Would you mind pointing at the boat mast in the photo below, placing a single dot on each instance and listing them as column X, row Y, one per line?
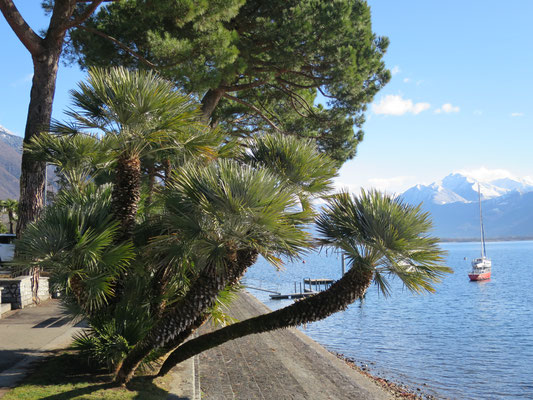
column 483, row 252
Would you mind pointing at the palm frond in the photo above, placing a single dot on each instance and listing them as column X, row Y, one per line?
column 226, row 206
column 75, row 241
column 136, row 107
column 387, row 232
column 297, row 161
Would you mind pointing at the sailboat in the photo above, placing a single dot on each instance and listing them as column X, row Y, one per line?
column 481, row 267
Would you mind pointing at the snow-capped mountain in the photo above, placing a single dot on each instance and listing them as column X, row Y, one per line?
column 11, row 139
column 434, row 193
column 457, row 187
column 453, row 205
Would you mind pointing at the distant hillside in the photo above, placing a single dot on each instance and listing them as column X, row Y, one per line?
column 10, row 158
column 453, row 204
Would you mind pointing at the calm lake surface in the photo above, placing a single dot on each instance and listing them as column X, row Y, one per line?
column 469, row 340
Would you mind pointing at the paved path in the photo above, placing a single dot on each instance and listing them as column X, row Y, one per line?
column 30, row 334
column 27, row 336
column 284, row 364
column 278, row 365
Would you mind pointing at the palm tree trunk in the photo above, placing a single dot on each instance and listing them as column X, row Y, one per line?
column 127, row 192
column 11, row 218
column 342, row 293
column 186, row 313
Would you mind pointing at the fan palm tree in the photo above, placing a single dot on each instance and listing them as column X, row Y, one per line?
column 136, row 112
column 10, row 206
column 380, row 236
column 75, row 241
column 218, row 218
column 79, row 159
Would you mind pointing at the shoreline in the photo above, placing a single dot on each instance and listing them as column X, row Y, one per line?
column 280, row 364
column 399, row 390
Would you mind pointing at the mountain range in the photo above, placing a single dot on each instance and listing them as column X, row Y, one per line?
column 507, row 206
column 10, row 158
column 453, row 202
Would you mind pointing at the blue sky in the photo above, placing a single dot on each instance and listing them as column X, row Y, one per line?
column 459, row 100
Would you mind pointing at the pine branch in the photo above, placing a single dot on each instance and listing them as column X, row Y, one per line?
column 119, row 44
column 30, row 40
column 244, row 103
column 86, row 14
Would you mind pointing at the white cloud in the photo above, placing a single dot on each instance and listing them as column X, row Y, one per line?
column 397, row 184
column 390, row 184
column 395, row 70
column 484, row 174
column 406, row 80
column 517, row 114
column 349, row 187
column 396, row 105
column 478, row 112
column 447, row 108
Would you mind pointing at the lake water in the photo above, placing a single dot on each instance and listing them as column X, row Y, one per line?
column 469, row 340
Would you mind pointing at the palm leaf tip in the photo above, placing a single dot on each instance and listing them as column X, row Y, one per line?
column 387, row 233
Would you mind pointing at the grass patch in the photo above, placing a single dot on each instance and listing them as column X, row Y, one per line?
column 66, row 376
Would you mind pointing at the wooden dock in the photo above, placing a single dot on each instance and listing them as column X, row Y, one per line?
column 305, row 291
column 292, row 295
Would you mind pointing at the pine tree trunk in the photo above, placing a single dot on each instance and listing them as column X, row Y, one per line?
column 209, row 103
column 186, row 313
column 342, row 293
column 45, row 53
column 126, row 193
column 32, row 178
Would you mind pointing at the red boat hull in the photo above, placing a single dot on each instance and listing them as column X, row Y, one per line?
column 479, row 277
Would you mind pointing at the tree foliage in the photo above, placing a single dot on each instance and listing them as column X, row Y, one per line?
column 146, row 292
column 255, row 65
column 10, row 207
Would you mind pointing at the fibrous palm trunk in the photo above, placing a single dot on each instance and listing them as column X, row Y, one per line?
column 11, row 217
column 342, row 293
column 127, row 192
column 187, row 312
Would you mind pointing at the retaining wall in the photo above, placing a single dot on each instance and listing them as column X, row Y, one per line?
column 17, row 291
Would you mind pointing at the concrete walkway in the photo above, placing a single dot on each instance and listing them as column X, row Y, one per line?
column 28, row 335
column 284, row 364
